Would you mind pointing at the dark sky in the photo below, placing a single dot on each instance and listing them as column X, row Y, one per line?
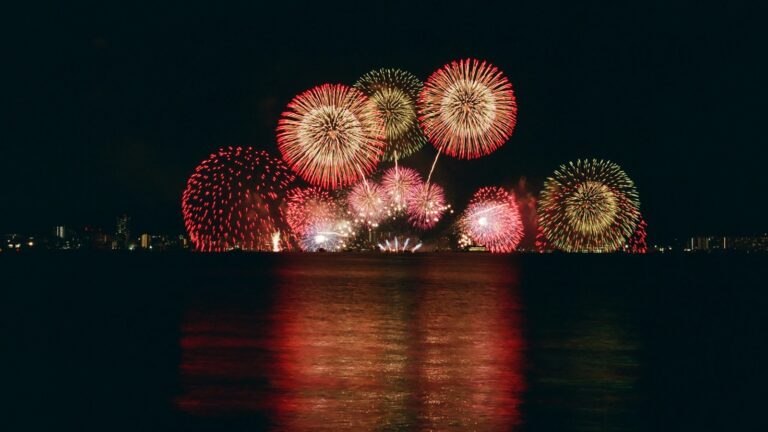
column 108, row 108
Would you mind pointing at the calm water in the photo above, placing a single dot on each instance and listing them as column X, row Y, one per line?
column 370, row 342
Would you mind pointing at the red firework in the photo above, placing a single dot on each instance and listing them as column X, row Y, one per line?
column 368, row 203
column 637, row 241
column 492, row 219
column 307, row 207
column 541, row 244
column 233, row 200
column 426, row 205
column 331, row 135
column 467, row 109
column 397, row 183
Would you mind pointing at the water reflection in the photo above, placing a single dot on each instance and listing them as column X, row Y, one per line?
column 413, row 345
column 470, row 348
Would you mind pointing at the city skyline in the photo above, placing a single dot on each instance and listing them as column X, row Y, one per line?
column 124, row 236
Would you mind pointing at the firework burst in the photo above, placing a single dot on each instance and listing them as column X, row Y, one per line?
column 426, row 205
column 367, row 203
column 397, row 184
column 395, row 93
column 637, row 241
column 492, row 219
column 309, row 206
column 233, row 200
column 588, row 206
column 331, row 135
column 331, row 236
column 398, row 245
column 467, row 109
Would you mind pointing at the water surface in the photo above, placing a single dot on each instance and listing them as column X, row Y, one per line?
column 370, row 342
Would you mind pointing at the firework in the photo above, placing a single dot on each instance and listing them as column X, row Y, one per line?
column 331, row 135
column 367, row 203
column 397, row 183
column 541, row 244
column 588, row 206
column 398, row 245
column 637, row 241
column 426, row 205
column 395, row 93
column 328, row 235
column 467, row 109
column 233, row 200
column 492, row 219
column 308, row 206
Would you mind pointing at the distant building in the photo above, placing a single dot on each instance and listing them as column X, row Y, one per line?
column 699, row 244
column 60, row 232
column 748, row 243
column 145, row 241
column 728, row 243
column 122, row 233
column 95, row 239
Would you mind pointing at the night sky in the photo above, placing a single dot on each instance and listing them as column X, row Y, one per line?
column 107, row 109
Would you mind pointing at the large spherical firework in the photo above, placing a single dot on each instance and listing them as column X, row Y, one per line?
column 367, row 203
column 426, row 205
column 492, row 219
column 397, row 183
column 467, row 109
column 395, row 93
column 331, row 135
column 330, row 235
column 588, row 206
column 233, row 200
column 308, row 206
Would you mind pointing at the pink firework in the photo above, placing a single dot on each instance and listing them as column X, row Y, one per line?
column 426, row 205
column 234, row 200
column 492, row 219
column 308, row 207
column 367, row 203
column 331, row 135
column 397, row 183
column 467, row 109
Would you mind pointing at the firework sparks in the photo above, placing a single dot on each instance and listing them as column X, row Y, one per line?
column 588, row 206
column 492, row 219
column 395, row 93
column 308, row 206
column 467, row 109
column 637, row 241
column 368, row 203
column 331, row 135
column 233, row 200
column 426, row 205
column 397, row 184
column 331, row 236
column 399, row 246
